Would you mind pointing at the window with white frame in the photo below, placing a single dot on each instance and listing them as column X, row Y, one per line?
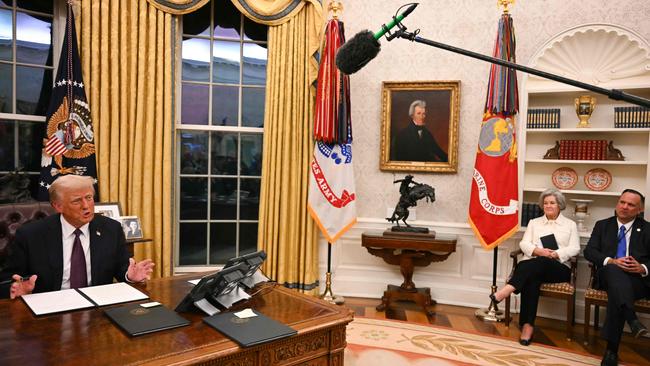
column 219, row 134
column 26, row 69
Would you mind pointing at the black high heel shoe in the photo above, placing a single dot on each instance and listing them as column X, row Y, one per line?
column 494, row 299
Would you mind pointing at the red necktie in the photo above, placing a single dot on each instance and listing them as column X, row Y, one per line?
column 78, row 276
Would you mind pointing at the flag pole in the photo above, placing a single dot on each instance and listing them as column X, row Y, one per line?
column 328, row 295
column 492, row 313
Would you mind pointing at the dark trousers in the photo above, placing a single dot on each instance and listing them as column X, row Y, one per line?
column 622, row 290
column 527, row 279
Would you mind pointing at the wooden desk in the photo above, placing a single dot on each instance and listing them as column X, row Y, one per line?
column 87, row 337
column 408, row 251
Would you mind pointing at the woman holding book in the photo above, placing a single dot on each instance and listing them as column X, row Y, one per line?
column 550, row 241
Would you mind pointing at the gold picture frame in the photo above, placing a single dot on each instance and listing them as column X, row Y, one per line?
column 420, row 149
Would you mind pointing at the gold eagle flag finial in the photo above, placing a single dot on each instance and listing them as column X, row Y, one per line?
column 505, row 4
column 335, row 7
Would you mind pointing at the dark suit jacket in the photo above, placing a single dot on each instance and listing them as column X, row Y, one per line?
column 604, row 241
column 38, row 249
column 409, row 146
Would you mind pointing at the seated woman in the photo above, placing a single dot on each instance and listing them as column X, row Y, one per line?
column 541, row 265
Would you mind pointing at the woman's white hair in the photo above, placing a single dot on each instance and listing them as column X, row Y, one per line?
column 559, row 198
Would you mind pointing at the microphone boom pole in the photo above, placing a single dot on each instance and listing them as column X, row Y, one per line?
column 615, row 94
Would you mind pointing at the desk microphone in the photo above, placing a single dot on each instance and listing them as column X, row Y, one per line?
column 364, row 46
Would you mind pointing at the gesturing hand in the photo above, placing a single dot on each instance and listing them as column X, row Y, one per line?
column 140, row 271
column 20, row 287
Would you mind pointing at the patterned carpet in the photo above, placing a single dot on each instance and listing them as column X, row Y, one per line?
column 375, row 342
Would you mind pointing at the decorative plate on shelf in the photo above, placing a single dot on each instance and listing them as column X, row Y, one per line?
column 564, row 178
column 598, row 179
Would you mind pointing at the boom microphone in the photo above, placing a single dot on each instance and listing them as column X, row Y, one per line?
column 364, row 46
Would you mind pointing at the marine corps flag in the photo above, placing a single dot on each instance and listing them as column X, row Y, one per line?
column 332, row 201
column 69, row 144
column 493, row 203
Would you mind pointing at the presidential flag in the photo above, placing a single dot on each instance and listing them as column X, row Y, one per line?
column 69, row 143
column 332, row 198
column 493, row 202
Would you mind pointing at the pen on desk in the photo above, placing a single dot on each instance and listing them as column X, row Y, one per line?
column 7, row 282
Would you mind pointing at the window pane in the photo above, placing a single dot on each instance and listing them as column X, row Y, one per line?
column 5, row 2
column 223, row 241
column 249, row 199
column 33, row 39
column 251, row 154
column 6, row 35
column 7, row 145
column 34, row 90
column 196, row 59
column 194, row 152
column 224, row 153
column 220, row 32
column 194, row 104
column 194, row 199
column 225, row 100
column 40, row 6
column 6, row 96
column 255, row 58
column 247, row 238
column 198, row 22
column 193, row 241
column 31, row 141
column 224, row 199
column 252, row 100
column 225, row 62
column 255, row 31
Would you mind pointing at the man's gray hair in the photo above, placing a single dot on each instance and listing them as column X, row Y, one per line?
column 559, row 197
column 68, row 182
column 417, row 103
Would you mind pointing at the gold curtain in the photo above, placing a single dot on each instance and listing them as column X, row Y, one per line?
column 126, row 52
column 286, row 232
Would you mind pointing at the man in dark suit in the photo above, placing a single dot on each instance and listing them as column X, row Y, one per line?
column 415, row 142
column 619, row 248
column 74, row 248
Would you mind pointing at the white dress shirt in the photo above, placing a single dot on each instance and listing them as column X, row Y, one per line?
column 564, row 230
column 68, row 241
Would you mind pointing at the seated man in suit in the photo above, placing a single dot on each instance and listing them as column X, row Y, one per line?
column 619, row 248
column 74, row 248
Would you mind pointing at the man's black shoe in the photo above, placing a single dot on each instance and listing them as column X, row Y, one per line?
column 609, row 359
column 637, row 328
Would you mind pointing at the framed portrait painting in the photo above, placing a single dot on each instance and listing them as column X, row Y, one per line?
column 109, row 209
column 419, row 129
column 132, row 227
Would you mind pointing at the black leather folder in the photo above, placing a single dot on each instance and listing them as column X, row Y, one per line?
column 249, row 331
column 549, row 242
column 136, row 320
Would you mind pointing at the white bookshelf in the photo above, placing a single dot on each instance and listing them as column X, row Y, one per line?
column 576, row 54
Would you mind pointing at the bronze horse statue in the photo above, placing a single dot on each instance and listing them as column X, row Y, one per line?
column 409, row 197
column 14, row 188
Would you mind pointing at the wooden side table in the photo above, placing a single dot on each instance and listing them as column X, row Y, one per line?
column 408, row 250
column 130, row 242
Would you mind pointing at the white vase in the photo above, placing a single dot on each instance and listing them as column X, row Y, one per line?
column 581, row 213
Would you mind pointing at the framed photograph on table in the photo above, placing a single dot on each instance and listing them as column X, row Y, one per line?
column 420, row 126
column 132, row 227
column 109, row 209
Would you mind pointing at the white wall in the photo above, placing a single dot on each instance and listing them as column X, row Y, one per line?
column 465, row 278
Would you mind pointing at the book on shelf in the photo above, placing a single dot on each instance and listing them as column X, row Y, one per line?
column 543, row 118
column 583, row 150
column 631, row 117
